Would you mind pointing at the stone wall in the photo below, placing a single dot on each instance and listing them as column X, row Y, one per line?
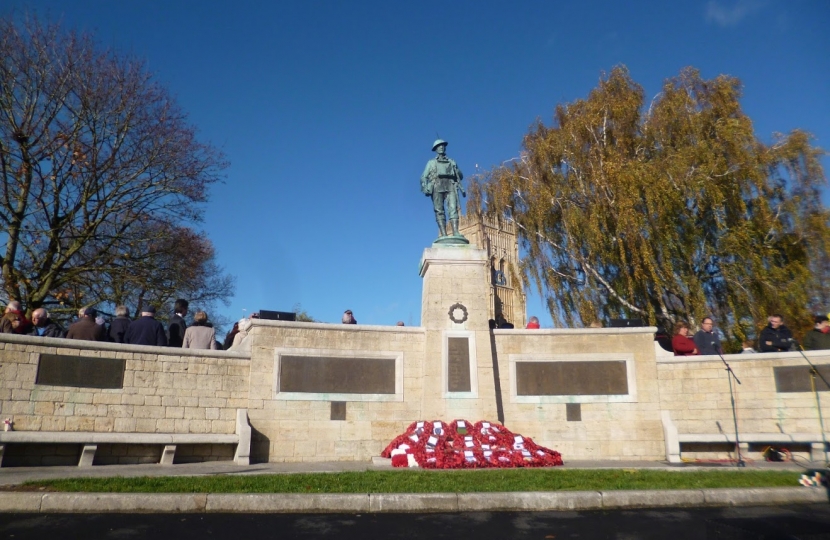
column 609, row 408
column 164, row 391
column 300, row 428
column 620, row 426
column 695, row 392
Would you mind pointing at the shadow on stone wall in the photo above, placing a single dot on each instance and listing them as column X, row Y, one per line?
column 260, row 447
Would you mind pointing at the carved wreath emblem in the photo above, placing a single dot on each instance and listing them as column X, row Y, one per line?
column 463, row 309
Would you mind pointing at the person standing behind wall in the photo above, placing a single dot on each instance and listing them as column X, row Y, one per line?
column 177, row 325
column 146, row 330
column 43, row 326
column 118, row 326
column 819, row 337
column 13, row 321
column 775, row 337
column 706, row 339
column 681, row 343
column 86, row 327
column 200, row 335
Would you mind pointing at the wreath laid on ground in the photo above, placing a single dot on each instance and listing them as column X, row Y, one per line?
column 463, row 445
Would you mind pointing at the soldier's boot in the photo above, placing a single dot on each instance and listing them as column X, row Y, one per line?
column 442, row 227
column 455, row 231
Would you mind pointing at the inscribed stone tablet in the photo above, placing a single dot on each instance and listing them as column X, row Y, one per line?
column 601, row 378
column 334, row 375
column 797, row 378
column 458, row 364
column 81, row 371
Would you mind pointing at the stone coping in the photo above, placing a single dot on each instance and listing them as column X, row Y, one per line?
column 401, row 502
column 118, row 347
column 339, row 326
column 812, row 355
column 574, row 331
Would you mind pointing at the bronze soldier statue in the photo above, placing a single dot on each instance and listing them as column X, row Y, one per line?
column 442, row 181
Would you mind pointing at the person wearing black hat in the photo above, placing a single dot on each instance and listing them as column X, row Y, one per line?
column 819, row 337
column 86, row 327
column 146, row 330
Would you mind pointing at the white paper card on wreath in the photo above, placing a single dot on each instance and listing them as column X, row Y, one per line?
column 414, row 437
column 488, row 453
column 468, row 438
column 518, row 439
column 469, row 444
column 437, row 429
column 432, row 441
column 485, row 446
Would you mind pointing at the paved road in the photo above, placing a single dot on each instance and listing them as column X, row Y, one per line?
column 809, row 522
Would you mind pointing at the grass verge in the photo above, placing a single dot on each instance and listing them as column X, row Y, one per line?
column 430, row 481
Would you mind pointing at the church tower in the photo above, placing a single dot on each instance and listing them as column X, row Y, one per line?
column 498, row 238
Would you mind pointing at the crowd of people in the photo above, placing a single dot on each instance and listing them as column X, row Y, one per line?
column 775, row 337
column 144, row 330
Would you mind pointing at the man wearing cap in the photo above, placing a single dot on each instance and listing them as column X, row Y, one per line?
column 146, row 330
column 86, row 327
column 442, row 181
column 819, row 337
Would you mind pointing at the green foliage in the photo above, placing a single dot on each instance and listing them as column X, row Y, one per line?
column 302, row 315
column 405, row 481
column 668, row 210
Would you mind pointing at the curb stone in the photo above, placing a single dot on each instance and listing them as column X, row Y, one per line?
column 413, row 502
column 123, row 502
column 529, row 501
column 770, row 496
column 288, row 502
column 400, row 502
column 652, row 499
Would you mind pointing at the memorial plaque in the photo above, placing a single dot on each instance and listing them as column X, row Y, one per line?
column 601, row 378
column 458, row 364
column 80, row 371
column 338, row 410
column 797, row 378
column 573, row 412
column 334, row 375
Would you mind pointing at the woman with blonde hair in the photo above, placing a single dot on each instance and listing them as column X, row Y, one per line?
column 199, row 335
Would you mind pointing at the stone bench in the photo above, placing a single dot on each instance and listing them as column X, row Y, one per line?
column 91, row 440
column 673, row 439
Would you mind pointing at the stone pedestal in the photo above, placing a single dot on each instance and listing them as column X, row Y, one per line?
column 458, row 362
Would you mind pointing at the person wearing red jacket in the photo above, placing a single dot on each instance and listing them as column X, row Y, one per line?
column 682, row 344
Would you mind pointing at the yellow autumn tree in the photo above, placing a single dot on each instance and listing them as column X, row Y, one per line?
column 665, row 210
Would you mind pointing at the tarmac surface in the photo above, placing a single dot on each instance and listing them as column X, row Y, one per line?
column 14, row 500
column 791, row 522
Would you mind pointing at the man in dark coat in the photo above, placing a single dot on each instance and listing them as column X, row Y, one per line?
column 43, row 326
column 706, row 339
column 775, row 337
column 86, row 327
column 146, row 330
column 819, row 337
column 176, row 325
column 118, row 326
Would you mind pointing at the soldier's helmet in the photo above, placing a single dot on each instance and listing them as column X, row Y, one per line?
column 437, row 143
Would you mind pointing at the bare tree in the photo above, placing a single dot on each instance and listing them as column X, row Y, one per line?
column 102, row 176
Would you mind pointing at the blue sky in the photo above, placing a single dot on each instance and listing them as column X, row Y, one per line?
column 327, row 111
